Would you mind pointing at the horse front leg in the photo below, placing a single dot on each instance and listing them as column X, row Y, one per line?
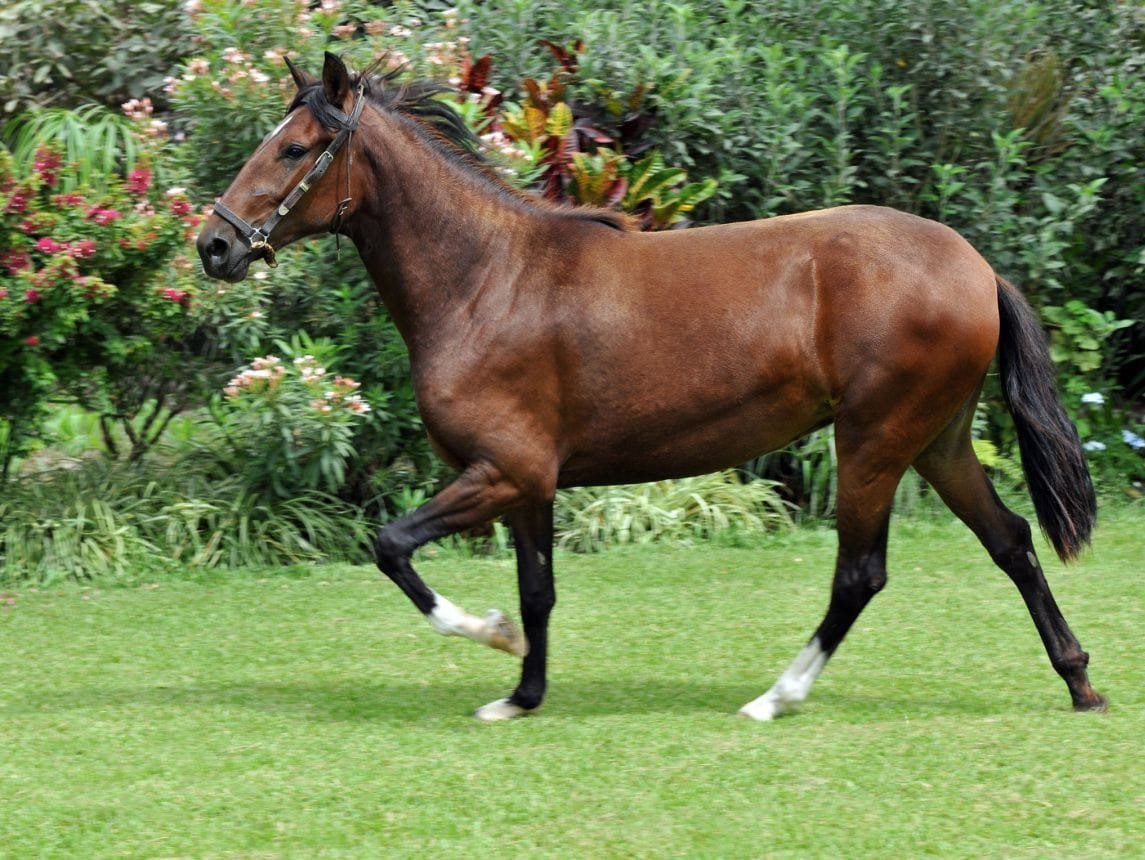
column 479, row 493
column 533, row 539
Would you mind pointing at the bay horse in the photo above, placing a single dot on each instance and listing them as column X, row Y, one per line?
column 554, row 346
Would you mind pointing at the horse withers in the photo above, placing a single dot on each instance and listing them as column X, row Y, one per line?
column 554, row 346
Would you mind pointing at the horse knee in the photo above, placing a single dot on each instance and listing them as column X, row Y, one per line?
column 861, row 580
column 392, row 546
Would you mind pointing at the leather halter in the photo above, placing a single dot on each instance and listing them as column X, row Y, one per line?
column 259, row 237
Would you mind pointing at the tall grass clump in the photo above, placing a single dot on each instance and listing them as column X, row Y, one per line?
column 678, row 511
column 97, row 519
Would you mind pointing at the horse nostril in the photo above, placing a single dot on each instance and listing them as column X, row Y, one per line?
column 217, row 248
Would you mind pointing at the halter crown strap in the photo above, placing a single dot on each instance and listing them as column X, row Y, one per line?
column 259, row 237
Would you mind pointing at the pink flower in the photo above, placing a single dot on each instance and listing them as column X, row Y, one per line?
column 139, row 181
column 138, row 108
column 83, row 249
column 180, row 207
column 175, row 295
column 32, row 340
column 3, row 293
column 48, row 245
column 355, row 403
column 72, row 199
column 102, row 216
column 31, row 296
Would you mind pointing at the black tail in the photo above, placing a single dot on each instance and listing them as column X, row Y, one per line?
column 1052, row 457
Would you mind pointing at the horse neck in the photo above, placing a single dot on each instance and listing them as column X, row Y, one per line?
column 432, row 233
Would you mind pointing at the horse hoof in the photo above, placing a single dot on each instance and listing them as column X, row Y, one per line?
column 1097, row 703
column 761, row 710
column 499, row 711
column 504, row 635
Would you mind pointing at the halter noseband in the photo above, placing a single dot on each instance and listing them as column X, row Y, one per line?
column 259, row 237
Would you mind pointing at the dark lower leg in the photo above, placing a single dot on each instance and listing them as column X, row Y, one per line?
column 956, row 474
column 1065, row 652
column 393, row 547
column 859, row 576
column 533, row 537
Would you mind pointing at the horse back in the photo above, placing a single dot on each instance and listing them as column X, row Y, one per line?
column 733, row 340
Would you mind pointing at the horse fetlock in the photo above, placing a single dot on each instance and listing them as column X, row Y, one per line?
column 1072, row 664
column 1090, row 700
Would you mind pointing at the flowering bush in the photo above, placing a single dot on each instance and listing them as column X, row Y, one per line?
column 92, row 284
column 290, row 421
column 238, row 72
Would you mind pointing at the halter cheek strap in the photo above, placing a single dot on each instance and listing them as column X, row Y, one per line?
column 259, row 237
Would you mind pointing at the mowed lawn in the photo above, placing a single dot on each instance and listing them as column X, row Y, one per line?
column 313, row 713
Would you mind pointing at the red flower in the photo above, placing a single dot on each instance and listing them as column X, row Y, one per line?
column 47, row 164
column 139, row 181
column 17, row 203
column 32, row 340
column 181, row 207
column 175, row 295
column 72, row 199
column 31, row 296
column 3, row 293
column 15, row 261
column 83, row 249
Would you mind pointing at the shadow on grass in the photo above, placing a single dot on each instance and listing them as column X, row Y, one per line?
column 347, row 701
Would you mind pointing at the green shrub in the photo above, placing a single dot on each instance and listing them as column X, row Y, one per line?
column 67, row 52
column 1019, row 126
column 288, row 420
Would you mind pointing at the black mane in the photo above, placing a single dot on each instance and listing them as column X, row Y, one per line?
column 443, row 129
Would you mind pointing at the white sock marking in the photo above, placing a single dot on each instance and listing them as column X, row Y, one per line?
column 792, row 687
column 500, row 710
column 448, row 619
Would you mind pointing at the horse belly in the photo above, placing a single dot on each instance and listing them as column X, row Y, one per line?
column 654, row 445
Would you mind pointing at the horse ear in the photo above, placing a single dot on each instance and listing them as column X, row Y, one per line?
column 301, row 78
column 335, row 80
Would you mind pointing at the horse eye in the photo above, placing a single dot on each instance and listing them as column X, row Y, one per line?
column 294, row 151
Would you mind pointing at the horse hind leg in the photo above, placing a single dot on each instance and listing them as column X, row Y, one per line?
column 868, row 476
column 952, row 468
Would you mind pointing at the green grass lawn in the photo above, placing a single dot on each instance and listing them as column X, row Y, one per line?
column 314, row 713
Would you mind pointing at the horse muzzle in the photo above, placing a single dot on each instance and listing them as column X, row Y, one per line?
column 224, row 258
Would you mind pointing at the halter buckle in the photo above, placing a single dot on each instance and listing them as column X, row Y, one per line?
column 267, row 251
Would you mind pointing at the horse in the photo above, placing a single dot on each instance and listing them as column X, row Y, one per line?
column 554, row 346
